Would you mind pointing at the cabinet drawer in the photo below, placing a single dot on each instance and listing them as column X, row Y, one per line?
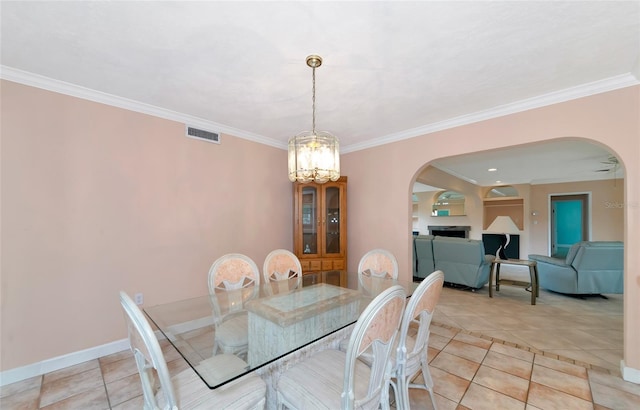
column 315, row 265
column 327, row 265
column 338, row 264
column 305, row 265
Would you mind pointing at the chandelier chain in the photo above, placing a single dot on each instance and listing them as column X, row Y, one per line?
column 313, row 102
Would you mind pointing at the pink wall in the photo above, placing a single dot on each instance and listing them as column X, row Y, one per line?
column 381, row 204
column 607, row 219
column 96, row 199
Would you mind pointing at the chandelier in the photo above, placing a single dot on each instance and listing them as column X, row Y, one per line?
column 314, row 155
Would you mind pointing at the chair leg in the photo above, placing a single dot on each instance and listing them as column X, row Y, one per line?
column 428, row 382
column 402, row 393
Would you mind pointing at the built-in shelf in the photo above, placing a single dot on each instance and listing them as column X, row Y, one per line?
column 512, row 207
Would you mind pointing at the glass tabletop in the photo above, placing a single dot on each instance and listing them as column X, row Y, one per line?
column 231, row 333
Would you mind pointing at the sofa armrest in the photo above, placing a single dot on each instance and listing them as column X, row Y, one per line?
column 548, row 259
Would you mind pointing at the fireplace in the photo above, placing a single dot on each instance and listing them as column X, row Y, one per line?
column 454, row 231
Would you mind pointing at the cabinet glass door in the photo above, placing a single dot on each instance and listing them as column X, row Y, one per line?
column 309, row 220
column 332, row 220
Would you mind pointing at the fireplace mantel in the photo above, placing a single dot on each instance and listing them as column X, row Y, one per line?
column 449, row 230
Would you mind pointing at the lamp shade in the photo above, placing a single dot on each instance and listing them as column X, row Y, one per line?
column 503, row 224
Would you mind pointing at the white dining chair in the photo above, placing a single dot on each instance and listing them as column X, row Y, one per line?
column 234, row 279
column 282, row 270
column 333, row 379
column 185, row 390
column 411, row 353
column 379, row 263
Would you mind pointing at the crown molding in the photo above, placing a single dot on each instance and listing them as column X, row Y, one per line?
column 584, row 90
column 62, row 87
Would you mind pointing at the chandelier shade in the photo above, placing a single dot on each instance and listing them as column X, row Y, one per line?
column 314, row 156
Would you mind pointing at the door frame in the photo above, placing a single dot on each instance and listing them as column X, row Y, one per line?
column 586, row 216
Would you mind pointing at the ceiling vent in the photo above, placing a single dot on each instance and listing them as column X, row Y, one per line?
column 203, row 135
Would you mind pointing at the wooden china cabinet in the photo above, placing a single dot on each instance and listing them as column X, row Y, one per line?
column 320, row 225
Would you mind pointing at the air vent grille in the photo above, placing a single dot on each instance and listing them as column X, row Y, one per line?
column 203, row 135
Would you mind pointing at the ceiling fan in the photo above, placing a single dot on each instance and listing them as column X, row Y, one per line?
column 611, row 164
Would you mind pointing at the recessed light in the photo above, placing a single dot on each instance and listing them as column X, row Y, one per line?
column 498, row 182
column 492, row 169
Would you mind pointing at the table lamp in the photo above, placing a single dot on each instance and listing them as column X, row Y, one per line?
column 503, row 225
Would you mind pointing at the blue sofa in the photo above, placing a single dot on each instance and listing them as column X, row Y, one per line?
column 590, row 267
column 463, row 261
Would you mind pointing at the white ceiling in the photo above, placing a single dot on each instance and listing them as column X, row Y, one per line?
column 392, row 69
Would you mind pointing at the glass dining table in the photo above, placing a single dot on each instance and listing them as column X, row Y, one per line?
column 277, row 321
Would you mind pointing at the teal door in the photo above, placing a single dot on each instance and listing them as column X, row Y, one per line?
column 569, row 222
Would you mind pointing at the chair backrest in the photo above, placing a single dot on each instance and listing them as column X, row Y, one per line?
column 233, row 271
column 379, row 262
column 420, row 307
column 148, row 355
column 280, row 268
column 376, row 329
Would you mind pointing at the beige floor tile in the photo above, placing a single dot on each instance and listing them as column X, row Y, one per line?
column 561, row 366
column 611, row 356
column 448, row 385
column 511, row 323
column 540, row 340
column 473, row 322
column 136, row 403
column 544, row 397
column 124, row 354
column 438, row 342
column 508, row 364
column 71, row 370
column 419, row 399
column 615, row 382
column 584, row 356
column 23, row 400
column 512, row 351
column 442, row 319
column 455, row 365
column 564, row 382
column 432, row 353
column 23, row 385
column 473, row 340
column 124, row 389
column 442, row 331
column 177, row 366
column 505, row 335
column 114, row 370
column 66, row 387
column 482, row 398
column 586, row 339
column 614, row 398
column 466, row 351
column 505, row 383
column 95, row 399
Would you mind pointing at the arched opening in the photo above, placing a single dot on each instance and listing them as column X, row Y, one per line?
column 596, row 174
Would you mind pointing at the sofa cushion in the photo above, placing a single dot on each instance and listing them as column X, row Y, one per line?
column 462, row 260
column 423, row 256
column 595, row 268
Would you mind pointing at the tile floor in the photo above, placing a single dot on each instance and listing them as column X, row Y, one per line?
column 498, row 353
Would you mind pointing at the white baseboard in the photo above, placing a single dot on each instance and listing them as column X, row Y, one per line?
column 60, row 362
column 629, row 374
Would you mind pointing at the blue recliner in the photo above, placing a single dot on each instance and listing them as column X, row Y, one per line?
column 423, row 264
column 589, row 268
column 463, row 261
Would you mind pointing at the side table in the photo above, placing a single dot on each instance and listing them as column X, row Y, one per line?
column 533, row 272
